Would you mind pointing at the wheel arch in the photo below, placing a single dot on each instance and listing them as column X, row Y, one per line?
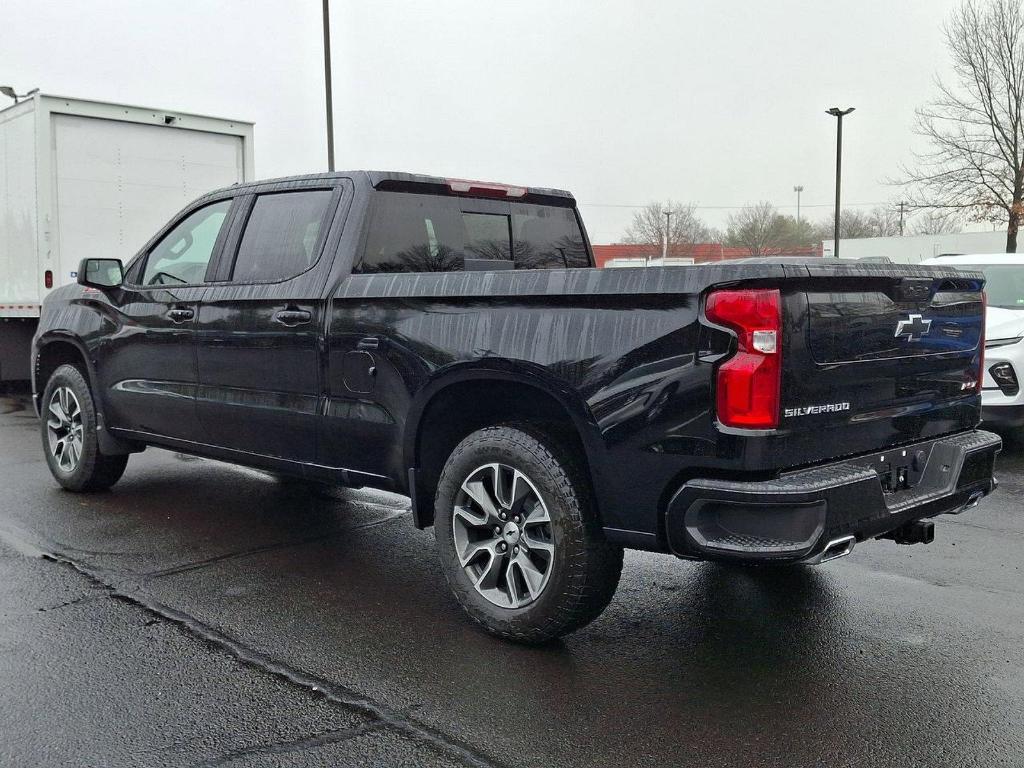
column 504, row 394
column 57, row 348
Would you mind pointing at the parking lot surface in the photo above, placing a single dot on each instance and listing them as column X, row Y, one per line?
column 201, row 614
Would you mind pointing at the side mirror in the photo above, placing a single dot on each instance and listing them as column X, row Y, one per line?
column 100, row 273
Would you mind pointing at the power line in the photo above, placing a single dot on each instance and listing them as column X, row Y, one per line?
column 732, row 207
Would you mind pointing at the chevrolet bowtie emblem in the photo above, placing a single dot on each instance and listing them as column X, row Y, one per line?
column 913, row 328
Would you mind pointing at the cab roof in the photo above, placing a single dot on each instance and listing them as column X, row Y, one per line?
column 396, row 181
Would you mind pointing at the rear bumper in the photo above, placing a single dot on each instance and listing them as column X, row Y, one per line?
column 810, row 514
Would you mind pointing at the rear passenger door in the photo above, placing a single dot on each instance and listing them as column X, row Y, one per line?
column 260, row 323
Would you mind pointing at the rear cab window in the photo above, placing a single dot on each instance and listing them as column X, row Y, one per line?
column 435, row 233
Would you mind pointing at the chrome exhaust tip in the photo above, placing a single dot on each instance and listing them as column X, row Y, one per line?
column 972, row 502
column 836, row 548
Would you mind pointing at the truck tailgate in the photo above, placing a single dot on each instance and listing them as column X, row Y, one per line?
column 881, row 349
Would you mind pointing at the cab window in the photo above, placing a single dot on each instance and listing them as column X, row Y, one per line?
column 433, row 233
column 182, row 256
column 281, row 237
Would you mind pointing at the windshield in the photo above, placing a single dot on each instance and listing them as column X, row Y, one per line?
column 1004, row 284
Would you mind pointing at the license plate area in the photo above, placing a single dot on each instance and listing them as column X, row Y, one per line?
column 899, row 469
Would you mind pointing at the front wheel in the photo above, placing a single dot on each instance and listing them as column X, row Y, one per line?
column 518, row 536
column 68, row 423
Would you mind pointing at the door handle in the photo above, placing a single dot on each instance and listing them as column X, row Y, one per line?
column 370, row 342
column 180, row 314
column 292, row 317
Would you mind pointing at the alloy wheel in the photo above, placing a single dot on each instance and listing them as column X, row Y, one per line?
column 503, row 535
column 64, row 428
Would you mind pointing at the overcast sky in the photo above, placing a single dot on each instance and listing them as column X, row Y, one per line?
column 719, row 104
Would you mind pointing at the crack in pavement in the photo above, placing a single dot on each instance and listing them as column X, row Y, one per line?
column 74, row 601
column 198, row 564
column 296, row 745
column 335, row 693
column 983, row 527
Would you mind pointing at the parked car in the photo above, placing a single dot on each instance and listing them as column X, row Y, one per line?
column 450, row 340
column 1001, row 398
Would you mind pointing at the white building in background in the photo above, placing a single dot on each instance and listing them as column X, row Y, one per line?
column 629, row 261
column 916, row 248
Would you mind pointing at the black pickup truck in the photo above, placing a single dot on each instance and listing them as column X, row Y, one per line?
column 451, row 341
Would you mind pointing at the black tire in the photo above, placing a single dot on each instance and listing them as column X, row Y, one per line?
column 584, row 569
column 93, row 470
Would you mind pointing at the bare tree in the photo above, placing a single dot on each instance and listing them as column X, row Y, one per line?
column 935, row 223
column 880, row 221
column 648, row 226
column 854, row 224
column 976, row 125
column 760, row 228
column 884, row 221
column 424, row 258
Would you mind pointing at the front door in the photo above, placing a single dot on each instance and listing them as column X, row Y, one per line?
column 149, row 365
column 259, row 329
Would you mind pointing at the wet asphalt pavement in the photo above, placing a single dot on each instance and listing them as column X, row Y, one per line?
column 200, row 614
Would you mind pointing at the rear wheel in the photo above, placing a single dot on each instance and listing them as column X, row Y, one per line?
column 68, row 423
column 518, row 537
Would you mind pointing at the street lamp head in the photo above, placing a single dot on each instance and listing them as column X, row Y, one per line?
column 798, row 188
column 838, row 113
column 8, row 90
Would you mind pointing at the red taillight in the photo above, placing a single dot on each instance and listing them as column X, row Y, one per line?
column 981, row 342
column 484, row 189
column 48, row 279
column 748, row 383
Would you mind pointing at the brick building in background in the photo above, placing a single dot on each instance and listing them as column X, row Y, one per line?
column 627, row 255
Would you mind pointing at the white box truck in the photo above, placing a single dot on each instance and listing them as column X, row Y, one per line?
column 82, row 179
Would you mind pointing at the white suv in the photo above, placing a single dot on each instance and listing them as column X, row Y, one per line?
column 1002, row 397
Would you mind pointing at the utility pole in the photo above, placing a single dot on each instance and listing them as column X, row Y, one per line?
column 798, row 189
column 668, row 228
column 837, row 113
column 902, row 209
column 327, row 85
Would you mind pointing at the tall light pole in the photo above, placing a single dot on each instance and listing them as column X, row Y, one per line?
column 837, row 113
column 327, row 85
column 798, row 189
column 668, row 228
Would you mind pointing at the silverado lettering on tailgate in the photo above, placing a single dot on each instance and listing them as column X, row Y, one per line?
column 810, row 410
